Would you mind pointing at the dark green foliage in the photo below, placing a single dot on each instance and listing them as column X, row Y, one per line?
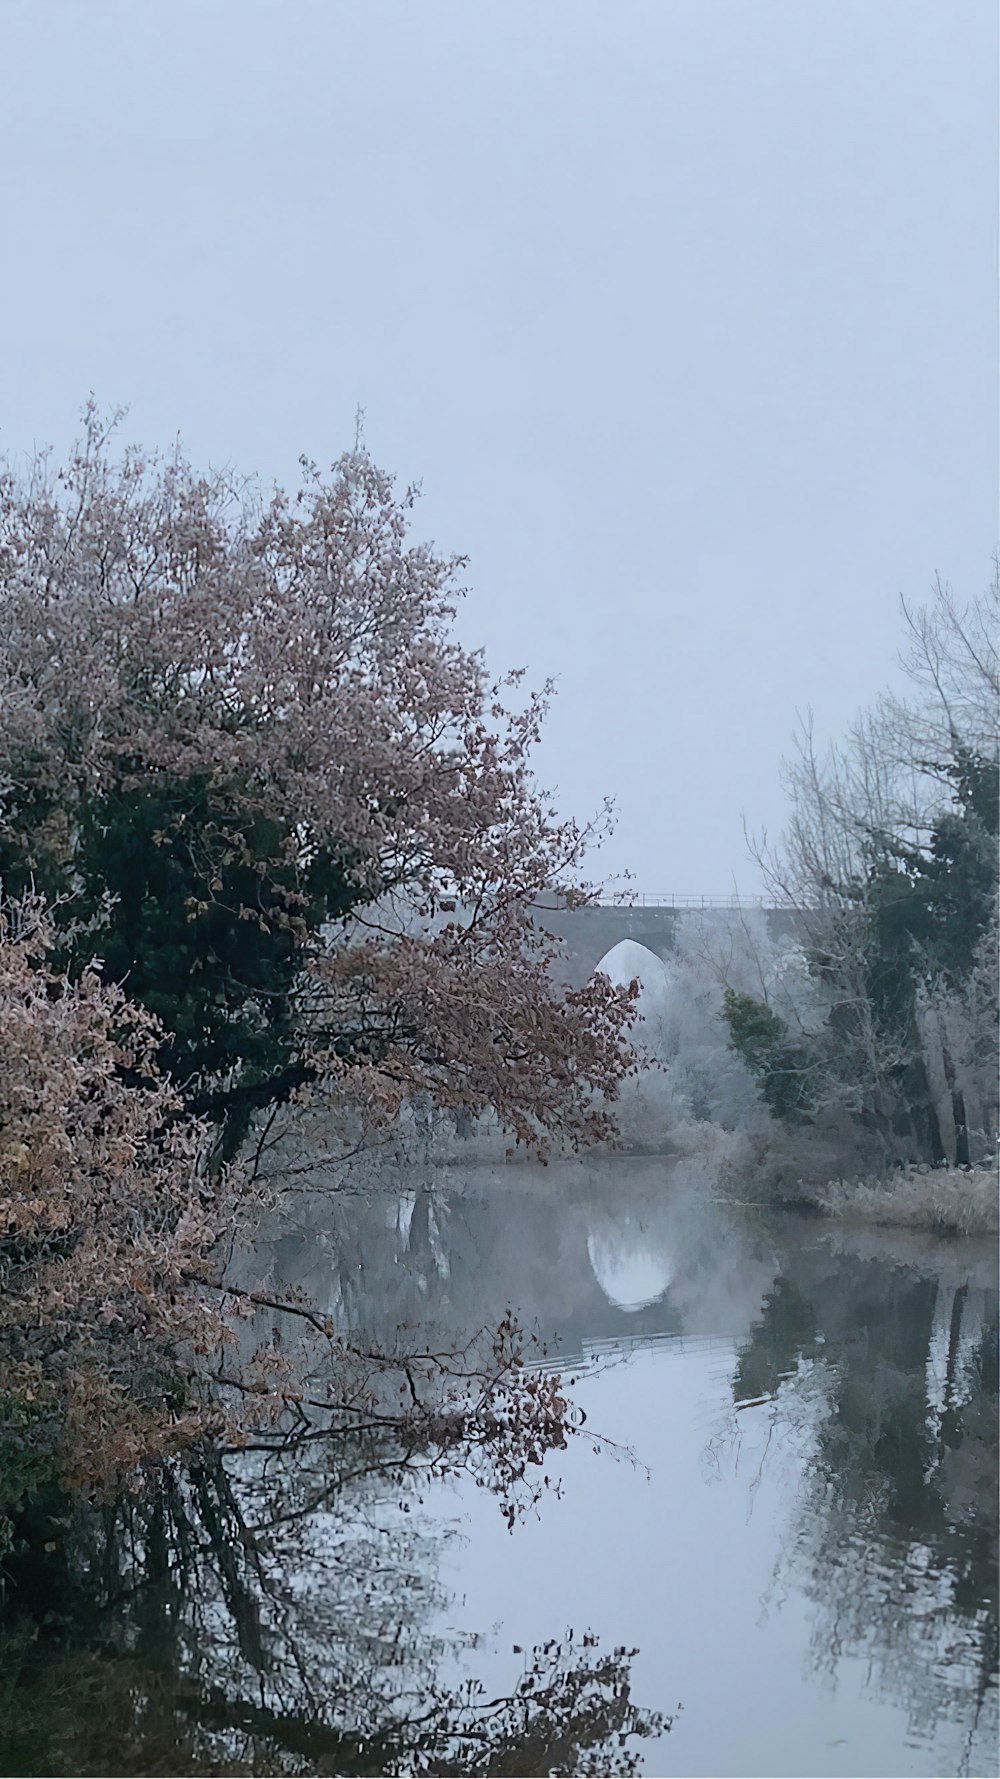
column 781, row 1066
column 899, row 928
column 913, row 925
column 898, row 923
column 28, row 1441
column 203, row 908
column 957, row 878
column 929, row 911
column 784, row 1331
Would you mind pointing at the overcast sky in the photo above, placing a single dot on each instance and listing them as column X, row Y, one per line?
column 683, row 311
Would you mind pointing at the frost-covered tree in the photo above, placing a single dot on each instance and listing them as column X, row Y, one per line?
column 890, row 859
column 104, row 1230
column 234, row 731
column 716, row 957
column 130, row 1348
column 689, row 1069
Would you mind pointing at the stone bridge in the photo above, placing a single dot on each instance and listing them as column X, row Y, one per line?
column 652, row 921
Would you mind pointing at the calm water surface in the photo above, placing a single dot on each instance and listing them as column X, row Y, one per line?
column 798, row 1534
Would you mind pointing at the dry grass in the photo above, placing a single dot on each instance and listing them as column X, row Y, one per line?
column 949, row 1200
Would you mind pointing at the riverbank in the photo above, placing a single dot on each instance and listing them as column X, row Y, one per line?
column 768, row 1169
column 946, row 1200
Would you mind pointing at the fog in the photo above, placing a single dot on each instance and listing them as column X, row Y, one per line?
column 684, row 315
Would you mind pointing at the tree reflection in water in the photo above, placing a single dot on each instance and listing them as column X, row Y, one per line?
column 230, row 1624
column 274, row 1610
column 894, row 1362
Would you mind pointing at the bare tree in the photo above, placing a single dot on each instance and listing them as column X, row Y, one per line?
column 864, row 862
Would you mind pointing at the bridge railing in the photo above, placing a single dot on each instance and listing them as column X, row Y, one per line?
column 673, row 899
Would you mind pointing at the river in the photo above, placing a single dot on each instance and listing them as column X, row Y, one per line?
column 793, row 1523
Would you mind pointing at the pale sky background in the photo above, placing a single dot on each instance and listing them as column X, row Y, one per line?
column 683, row 311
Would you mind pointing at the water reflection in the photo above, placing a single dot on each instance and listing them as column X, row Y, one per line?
column 631, row 1271
column 868, row 1367
column 815, row 1539
column 582, row 1252
column 232, row 1626
column 895, row 1534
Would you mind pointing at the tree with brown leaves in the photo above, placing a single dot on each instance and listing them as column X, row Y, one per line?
column 244, row 757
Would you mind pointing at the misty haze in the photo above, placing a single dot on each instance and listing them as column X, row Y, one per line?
column 499, row 780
